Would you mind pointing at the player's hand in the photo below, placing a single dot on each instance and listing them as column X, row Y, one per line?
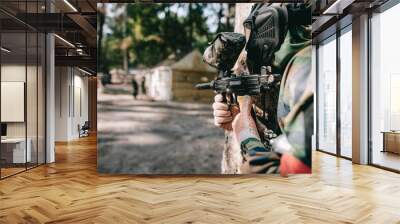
column 223, row 114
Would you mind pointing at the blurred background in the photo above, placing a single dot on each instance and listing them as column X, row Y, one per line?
column 150, row 117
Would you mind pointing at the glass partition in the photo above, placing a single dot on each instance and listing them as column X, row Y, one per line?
column 327, row 95
column 13, row 105
column 346, row 93
column 22, row 101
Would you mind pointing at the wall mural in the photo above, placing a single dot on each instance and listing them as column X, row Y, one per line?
column 205, row 88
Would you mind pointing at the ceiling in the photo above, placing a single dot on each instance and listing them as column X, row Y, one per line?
column 331, row 15
column 74, row 22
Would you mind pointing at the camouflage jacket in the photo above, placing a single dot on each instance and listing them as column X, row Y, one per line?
column 295, row 117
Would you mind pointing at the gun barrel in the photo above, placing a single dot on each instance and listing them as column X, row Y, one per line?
column 207, row 85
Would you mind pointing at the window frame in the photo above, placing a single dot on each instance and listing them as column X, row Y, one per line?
column 337, row 35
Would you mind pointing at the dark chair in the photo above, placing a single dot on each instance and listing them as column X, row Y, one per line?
column 84, row 130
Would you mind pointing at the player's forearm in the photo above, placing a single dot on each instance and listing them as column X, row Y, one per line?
column 249, row 129
column 244, row 125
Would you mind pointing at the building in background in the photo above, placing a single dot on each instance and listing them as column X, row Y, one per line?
column 176, row 80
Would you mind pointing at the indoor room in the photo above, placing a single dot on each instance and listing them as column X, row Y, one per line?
column 123, row 111
column 380, row 86
column 22, row 98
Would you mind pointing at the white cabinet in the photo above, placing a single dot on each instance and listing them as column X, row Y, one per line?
column 19, row 155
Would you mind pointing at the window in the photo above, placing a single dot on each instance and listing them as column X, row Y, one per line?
column 327, row 95
column 385, row 89
column 346, row 95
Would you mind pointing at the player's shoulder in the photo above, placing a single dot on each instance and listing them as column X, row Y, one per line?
column 301, row 60
column 303, row 53
column 297, row 78
column 299, row 67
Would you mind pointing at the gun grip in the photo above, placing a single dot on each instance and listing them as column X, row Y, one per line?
column 225, row 98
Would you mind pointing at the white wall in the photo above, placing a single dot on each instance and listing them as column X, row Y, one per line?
column 159, row 83
column 33, row 125
column 62, row 80
column 15, row 73
column 71, row 87
column 12, row 101
column 80, row 104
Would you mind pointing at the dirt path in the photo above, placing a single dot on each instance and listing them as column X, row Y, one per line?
column 156, row 137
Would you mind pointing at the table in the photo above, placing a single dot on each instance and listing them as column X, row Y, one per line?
column 391, row 141
column 16, row 147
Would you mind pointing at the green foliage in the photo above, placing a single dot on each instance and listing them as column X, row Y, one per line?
column 146, row 34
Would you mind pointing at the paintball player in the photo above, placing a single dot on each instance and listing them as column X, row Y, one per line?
column 135, row 88
column 143, row 86
column 291, row 149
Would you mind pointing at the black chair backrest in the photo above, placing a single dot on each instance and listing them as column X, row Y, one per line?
column 86, row 125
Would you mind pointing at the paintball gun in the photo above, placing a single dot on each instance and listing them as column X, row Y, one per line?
column 222, row 54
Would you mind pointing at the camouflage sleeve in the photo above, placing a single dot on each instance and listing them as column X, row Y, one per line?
column 295, row 109
column 292, row 149
column 257, row 159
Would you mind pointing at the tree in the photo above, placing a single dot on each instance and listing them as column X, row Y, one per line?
column 146, row 34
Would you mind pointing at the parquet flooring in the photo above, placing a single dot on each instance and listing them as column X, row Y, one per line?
column 71, row 191
column 8, row 171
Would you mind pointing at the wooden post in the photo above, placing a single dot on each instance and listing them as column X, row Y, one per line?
column 232, row 157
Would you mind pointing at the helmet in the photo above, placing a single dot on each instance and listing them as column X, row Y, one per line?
column 269, row 23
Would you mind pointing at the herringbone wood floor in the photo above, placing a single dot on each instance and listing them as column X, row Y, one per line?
column 71, row 191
